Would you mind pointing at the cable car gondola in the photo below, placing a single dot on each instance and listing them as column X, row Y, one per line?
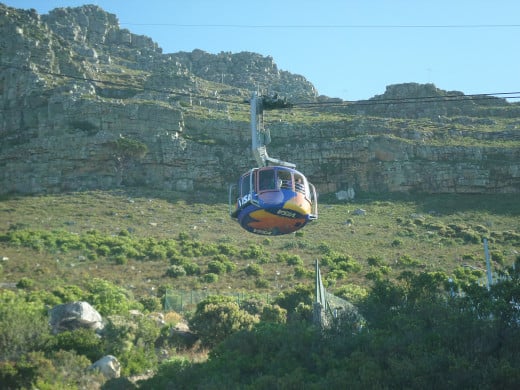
column 275, row 198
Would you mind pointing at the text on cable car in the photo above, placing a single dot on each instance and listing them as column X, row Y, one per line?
column 243, row 200
column 286, row 213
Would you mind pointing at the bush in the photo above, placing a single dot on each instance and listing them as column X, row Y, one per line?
column 151, row 304
column 375, row 261
column 216, row 267
column 407, row 261
column 23, row 326
column 294, row 260
column 56, row 370
column 107, row 298
column 83, row 341
column 498, row 257
column 132, row 339
column 209, row 278
column 175, row 271
column 253, row 252
column 25, row 283
column 128, row 147
column 175, row 367
column 324, row 248
column 397, row 243
column 262, row 283
column 254, row 270
column 289, row 300
column 137, row 360
column 227, row 249
column 192, row 269
column 217, row 317
column 470, row 236
column 274, row 313
column 301, row 272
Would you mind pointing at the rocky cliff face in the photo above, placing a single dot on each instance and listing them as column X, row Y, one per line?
column 87, row 105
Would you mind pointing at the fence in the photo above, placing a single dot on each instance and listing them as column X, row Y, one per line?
column 181, row 301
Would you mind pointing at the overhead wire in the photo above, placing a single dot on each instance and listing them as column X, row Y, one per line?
column 119, row 84
column 332, row 102
column 414, row 99
column 324, row 26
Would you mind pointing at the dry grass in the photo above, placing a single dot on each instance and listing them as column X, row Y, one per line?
column 391, row 230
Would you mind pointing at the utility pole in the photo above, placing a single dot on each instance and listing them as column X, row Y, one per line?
column 488, row 265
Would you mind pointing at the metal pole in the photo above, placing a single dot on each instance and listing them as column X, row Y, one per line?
column 253, row 119
column 488, row 265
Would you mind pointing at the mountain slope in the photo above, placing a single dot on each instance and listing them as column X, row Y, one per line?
column 88, row 105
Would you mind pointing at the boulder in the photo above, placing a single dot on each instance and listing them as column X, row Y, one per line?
column 70, row 316
column 109, row 366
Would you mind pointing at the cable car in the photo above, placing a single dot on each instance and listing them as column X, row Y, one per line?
column 271, row 199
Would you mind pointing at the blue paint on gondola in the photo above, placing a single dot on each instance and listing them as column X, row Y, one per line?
column 271, row 199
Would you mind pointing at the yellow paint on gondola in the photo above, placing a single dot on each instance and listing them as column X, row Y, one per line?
column 266, row 221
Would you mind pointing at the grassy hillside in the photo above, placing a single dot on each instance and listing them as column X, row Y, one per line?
column 140, row 241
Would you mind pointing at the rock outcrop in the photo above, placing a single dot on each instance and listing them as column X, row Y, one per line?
column 88, row 105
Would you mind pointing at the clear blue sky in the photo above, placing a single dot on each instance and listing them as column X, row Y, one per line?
column 350, row 49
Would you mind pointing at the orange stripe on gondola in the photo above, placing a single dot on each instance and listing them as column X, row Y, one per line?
column 264, row 220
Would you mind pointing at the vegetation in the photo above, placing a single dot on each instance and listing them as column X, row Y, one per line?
column 418, row 335
column 414, row 267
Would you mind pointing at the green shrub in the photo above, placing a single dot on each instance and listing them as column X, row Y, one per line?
column 339, row 261
column 23, row 326
column 375, row 261
column 253, row 305
column 55, row 370
column 183, row 236
column 274, row 313
column 174, row 367
column 120, row 259
column 253, row 270
column 209, row 278
column 498, row 257
column 158, row 252
column 469, row 236
column 337, row 274
column 253, row 252
column 324, row 248
column 217, row 317
column 107, row 298
column 138, row 360
column 227, row 249
column 176, row 271
column 407, row 261
column 25, row 283
column 103, row 250
column 290, row 299
column 192, row 269
column 128, row 147
column 150, row 303
column 262, row 283
column 300, row 272
column 396, row 243
column 466, row 275
column 294, row 260
column 83, row 341
column 68, row 293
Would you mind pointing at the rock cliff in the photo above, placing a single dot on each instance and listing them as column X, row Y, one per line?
column 88, row 105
